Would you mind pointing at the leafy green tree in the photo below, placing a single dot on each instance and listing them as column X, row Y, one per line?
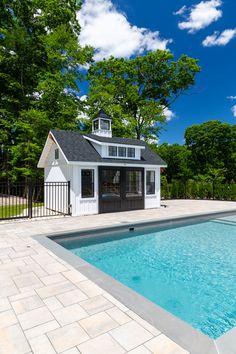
column 136, row 91
column 39, row 77
column 177, row 158
column 212, row 146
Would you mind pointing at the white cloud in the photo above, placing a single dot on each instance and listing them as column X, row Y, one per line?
column 233, row 109
column 231, row 97
column 219, row 39
column 169, row 114
column 110, row 33
column 200, row 15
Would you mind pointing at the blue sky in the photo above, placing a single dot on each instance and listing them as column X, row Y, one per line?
column 191, row 32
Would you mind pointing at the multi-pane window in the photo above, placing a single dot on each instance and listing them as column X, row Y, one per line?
column 150, row 182
column 56, row 154
column 87, row 183
column 112, row 150
column 134, row 187
column 110, row 185
column 131, row 152
column 104, row 124
column 95, row 124
column 122, row 152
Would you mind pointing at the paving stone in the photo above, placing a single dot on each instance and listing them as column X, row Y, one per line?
column 43, row 258
column 26, row 280
column 35, row 317
column 74, row 276
column 51, row 279
column 163, row 345
column 98, row 324
column 130, row 335
column 53, row 268
column 4, row 305
column 8, row 290
column 115, row 302
column 140, row 350
column 144, row 323
column 13, row 341
column 89, row 288
column 22, row 295
column 55, row 289
column 52, row 303
column 70, row 314
column 27, row 304
column 96, row 304
column 72, row 351
column 68, row 337
column 118, row 315
column 41, row 329
column 41, row 345
column 33, row 267
column 7, row 318
column 103, row 344
column 71, row 297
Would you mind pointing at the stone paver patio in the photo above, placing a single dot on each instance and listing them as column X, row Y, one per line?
column 48, row 307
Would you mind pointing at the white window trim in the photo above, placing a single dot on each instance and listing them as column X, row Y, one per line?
column 155, row 171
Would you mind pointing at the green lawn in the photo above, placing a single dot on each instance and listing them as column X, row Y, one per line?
column 13, row 210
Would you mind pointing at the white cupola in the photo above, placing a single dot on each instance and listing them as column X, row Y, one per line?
column 101, row 125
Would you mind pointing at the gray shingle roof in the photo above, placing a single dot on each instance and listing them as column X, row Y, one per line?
column 77, row 148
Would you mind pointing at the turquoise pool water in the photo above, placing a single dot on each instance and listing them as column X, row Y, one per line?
column 190, row 270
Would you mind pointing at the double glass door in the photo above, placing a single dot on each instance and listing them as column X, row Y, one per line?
column 120, row 189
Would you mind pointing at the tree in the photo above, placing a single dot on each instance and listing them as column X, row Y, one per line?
column 136, row 91
column 212, row 146
column 177, row 158
column 39, row 60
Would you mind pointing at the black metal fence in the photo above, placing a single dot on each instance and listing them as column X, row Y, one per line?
column 34, row 199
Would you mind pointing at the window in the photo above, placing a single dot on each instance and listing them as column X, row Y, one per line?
column 131, row 152
column 56, row 154
column 104, row 124
column 150, row 182
column 122, row 152
column 87, row 183
column 95, row 125
column 110, row 183
column 112, row 150
column 134, row 184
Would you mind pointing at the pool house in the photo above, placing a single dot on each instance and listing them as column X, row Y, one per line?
column 106, row 174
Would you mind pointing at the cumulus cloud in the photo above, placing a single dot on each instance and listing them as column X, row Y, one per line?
column 110, row 33
column 233, row 109
column 200, row 15
column 231, row 97
column 169, row 114
column 219, row 39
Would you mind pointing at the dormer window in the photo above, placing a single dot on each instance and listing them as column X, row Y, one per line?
column 112, row 151
column 122, row 151
column 131, row 152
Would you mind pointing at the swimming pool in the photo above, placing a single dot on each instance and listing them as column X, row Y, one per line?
column 189, row 270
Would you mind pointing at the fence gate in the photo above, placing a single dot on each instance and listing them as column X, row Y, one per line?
column 34, row 199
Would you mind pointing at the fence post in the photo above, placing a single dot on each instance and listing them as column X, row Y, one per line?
column 30, row 199
column 68, row 191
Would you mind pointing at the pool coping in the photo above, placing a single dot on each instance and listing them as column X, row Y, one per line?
column 176, row 329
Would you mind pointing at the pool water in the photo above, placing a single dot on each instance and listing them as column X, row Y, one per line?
column 189, row 271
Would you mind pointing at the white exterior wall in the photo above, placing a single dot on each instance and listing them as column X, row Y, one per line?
column 153, row 200
column 84, row 206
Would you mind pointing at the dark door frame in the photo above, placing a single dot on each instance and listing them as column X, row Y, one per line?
column 122, row 203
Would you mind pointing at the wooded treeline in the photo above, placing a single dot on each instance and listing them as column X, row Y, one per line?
column 205, row 166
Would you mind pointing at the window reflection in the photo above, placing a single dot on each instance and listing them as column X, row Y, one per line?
column 134, row 184
column 110, row 183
